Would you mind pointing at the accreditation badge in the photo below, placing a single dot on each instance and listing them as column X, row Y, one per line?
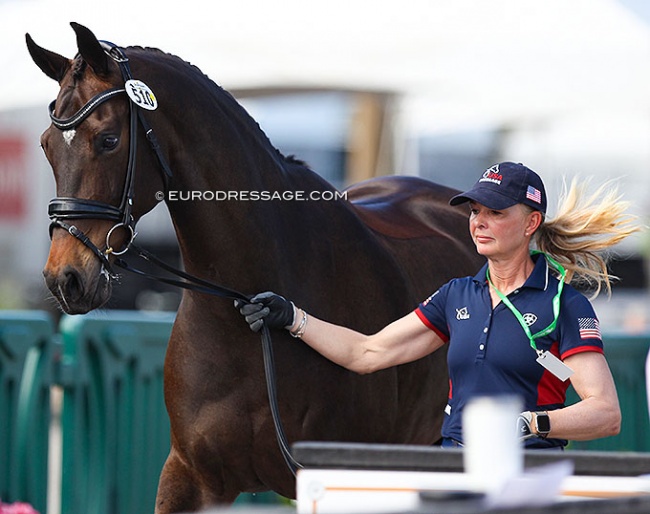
column 555, row 365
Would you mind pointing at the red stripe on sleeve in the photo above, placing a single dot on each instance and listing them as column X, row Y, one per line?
column 424, row 320
column 580, row 349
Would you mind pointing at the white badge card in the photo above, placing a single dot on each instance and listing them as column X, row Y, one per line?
column 555, row 366
column 141, row 94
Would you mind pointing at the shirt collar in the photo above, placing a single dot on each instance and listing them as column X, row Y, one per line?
column 538, row 279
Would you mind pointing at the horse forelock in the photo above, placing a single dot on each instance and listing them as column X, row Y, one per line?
column 78, row 68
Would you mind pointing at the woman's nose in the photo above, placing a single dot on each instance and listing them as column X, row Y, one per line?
column 478, row 220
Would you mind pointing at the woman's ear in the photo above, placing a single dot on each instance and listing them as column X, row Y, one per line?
column 534, row 221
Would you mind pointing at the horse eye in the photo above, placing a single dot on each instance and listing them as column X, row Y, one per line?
column 109, row 142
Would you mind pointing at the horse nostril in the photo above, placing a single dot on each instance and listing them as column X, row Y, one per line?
column 71, row 285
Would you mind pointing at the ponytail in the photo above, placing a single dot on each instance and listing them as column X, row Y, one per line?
column 583, row 230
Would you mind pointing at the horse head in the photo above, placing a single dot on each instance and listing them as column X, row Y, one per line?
column 90, row 146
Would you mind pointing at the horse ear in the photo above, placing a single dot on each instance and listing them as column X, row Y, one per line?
column 91, row 50
column 50, row 63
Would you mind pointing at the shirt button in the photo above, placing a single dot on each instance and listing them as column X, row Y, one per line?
column 481, row 347
column 485, row 330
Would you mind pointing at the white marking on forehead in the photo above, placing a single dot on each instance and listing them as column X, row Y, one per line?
column 68, row 136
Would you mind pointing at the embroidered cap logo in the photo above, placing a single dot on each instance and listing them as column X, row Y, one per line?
column 493, row 175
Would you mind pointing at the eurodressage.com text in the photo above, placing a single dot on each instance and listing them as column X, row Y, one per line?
column 251, row 196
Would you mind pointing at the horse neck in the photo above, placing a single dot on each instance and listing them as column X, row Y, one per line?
column 226, row 154
column 236, row 242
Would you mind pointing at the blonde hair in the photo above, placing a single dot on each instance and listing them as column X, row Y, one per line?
column 583, row 230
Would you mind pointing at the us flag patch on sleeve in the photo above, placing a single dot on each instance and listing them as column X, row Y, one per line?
column 430, row 298
column 589, row 328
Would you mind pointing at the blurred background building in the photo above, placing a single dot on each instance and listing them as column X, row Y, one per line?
column 360, row 89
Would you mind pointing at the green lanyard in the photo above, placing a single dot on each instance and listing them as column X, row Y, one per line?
column 556, row 302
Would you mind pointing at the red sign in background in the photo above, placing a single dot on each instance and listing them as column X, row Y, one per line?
column 13, row 178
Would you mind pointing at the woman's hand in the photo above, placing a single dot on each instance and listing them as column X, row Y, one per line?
column 267, row 308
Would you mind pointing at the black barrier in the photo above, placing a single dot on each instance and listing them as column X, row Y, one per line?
column 397, row 457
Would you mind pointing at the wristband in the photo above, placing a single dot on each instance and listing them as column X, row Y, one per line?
column 301, row 328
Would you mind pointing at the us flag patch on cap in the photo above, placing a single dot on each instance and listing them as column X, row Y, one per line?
column 589, row 328
column 534, row 194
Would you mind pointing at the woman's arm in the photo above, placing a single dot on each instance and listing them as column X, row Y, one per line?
column 598, row 413
column 405, row 340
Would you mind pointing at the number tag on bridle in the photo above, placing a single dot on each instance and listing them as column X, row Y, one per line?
column 141, row 95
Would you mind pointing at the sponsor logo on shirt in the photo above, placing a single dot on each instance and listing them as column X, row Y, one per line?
column 530, row 318
column 462, row 313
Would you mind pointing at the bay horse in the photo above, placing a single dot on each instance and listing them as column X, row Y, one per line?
column 360, row 261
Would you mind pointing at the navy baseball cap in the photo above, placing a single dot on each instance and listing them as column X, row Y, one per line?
column 504, row 185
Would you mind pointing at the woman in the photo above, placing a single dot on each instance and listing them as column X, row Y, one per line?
column 515, row 327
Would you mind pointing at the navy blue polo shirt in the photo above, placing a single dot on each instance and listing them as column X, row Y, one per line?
column 489, row 353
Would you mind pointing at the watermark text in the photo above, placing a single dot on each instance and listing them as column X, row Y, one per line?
column 250, row 196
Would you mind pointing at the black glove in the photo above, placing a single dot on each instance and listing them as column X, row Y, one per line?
column 267, row 308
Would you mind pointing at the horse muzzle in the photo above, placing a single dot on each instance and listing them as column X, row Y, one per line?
column 77, row 280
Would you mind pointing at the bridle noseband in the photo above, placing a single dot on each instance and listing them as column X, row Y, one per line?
column 63, row 209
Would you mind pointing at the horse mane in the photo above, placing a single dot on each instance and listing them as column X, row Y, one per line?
column 221, row 92
column 292, row 159
column 79, row 66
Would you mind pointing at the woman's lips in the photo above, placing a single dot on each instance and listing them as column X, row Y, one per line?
column 482, row 239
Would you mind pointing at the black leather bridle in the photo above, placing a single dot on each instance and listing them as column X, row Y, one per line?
column 63, row 209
